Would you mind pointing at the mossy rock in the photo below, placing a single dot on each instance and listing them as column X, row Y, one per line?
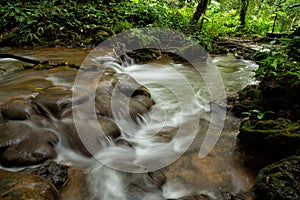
column 271, row 139
column 283, row 95
column 249, row 98
column 279, row 181
column 18, row 186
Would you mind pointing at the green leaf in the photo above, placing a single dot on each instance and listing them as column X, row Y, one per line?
column 260, row 115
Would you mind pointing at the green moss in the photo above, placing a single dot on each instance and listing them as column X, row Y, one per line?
column 279, row 181
column 272, row 139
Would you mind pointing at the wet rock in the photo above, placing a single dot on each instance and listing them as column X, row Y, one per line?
column 149, row 182
column 103, row 105
column 128, row 86
column 18, row 109
column 145, row 100
column 279, row 181
column 1, row 118
column 21, row 144
column 41, row 121
column 109, row 128
column 76, row 188
column 269, row 139
column 24, row 186
column 37, row 84
column 58, row 101
column 167, row 134
column 57, row 174
column 136, row 108
column 193, row 197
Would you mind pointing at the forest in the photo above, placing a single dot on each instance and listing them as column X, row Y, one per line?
column 37, row 100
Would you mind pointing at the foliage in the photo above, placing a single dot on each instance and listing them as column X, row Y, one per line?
column 280, row 61
column 88, row 22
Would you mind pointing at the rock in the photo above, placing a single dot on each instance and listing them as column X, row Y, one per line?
column 20, row 186
column 149, row 182
column 1, row 118
column 37, row 84
column 136, row 108
column 69, row 131
column 146, row 184
column 279, row 181
column 41, row 121
column 269, row 139
column 282, row 94
column 249, row 98
column 103, row 105
column 128, row 86
column 18, row 109
column 21, row 144
column 109, row 127
column 57, row 174
column 145, row 100
column 76, row 188
column 193, row 197
column 58, row 101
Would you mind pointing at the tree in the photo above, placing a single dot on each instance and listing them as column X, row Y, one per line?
column 200, row 11
column 243, row 12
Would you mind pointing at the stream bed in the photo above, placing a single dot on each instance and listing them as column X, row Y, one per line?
column 219, row 173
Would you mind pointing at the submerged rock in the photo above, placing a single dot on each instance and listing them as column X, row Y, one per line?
column 279, row 181
column 21, row 144
column 20, row 186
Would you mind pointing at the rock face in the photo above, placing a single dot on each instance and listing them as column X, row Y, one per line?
column 24, row 186
column 279, row 181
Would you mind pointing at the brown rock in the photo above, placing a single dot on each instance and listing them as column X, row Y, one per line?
column 76, row 187
column 20, row 186
column 21, row 144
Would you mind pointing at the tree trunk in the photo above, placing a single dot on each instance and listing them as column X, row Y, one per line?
column 201, row 9
column 244, row 8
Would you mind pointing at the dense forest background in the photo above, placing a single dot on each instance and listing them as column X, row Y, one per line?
column 86, row 22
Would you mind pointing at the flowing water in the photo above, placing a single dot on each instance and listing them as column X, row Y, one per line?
column 187, row 174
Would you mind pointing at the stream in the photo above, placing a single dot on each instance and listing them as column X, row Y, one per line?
column 187, row 175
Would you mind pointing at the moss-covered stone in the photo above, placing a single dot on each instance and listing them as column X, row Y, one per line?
column 279, row 181
column 18, row 186
column 272, row 139
column 248, row 99
column 283, row 95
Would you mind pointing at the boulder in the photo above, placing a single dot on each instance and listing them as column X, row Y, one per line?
column 20, row 186
column 279, row 181
column 18, row 109
column 269, row 139
column 21, row 144
column 57, row 101
column 69, row 131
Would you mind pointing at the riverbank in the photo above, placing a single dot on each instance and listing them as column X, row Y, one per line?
column 270, row 133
